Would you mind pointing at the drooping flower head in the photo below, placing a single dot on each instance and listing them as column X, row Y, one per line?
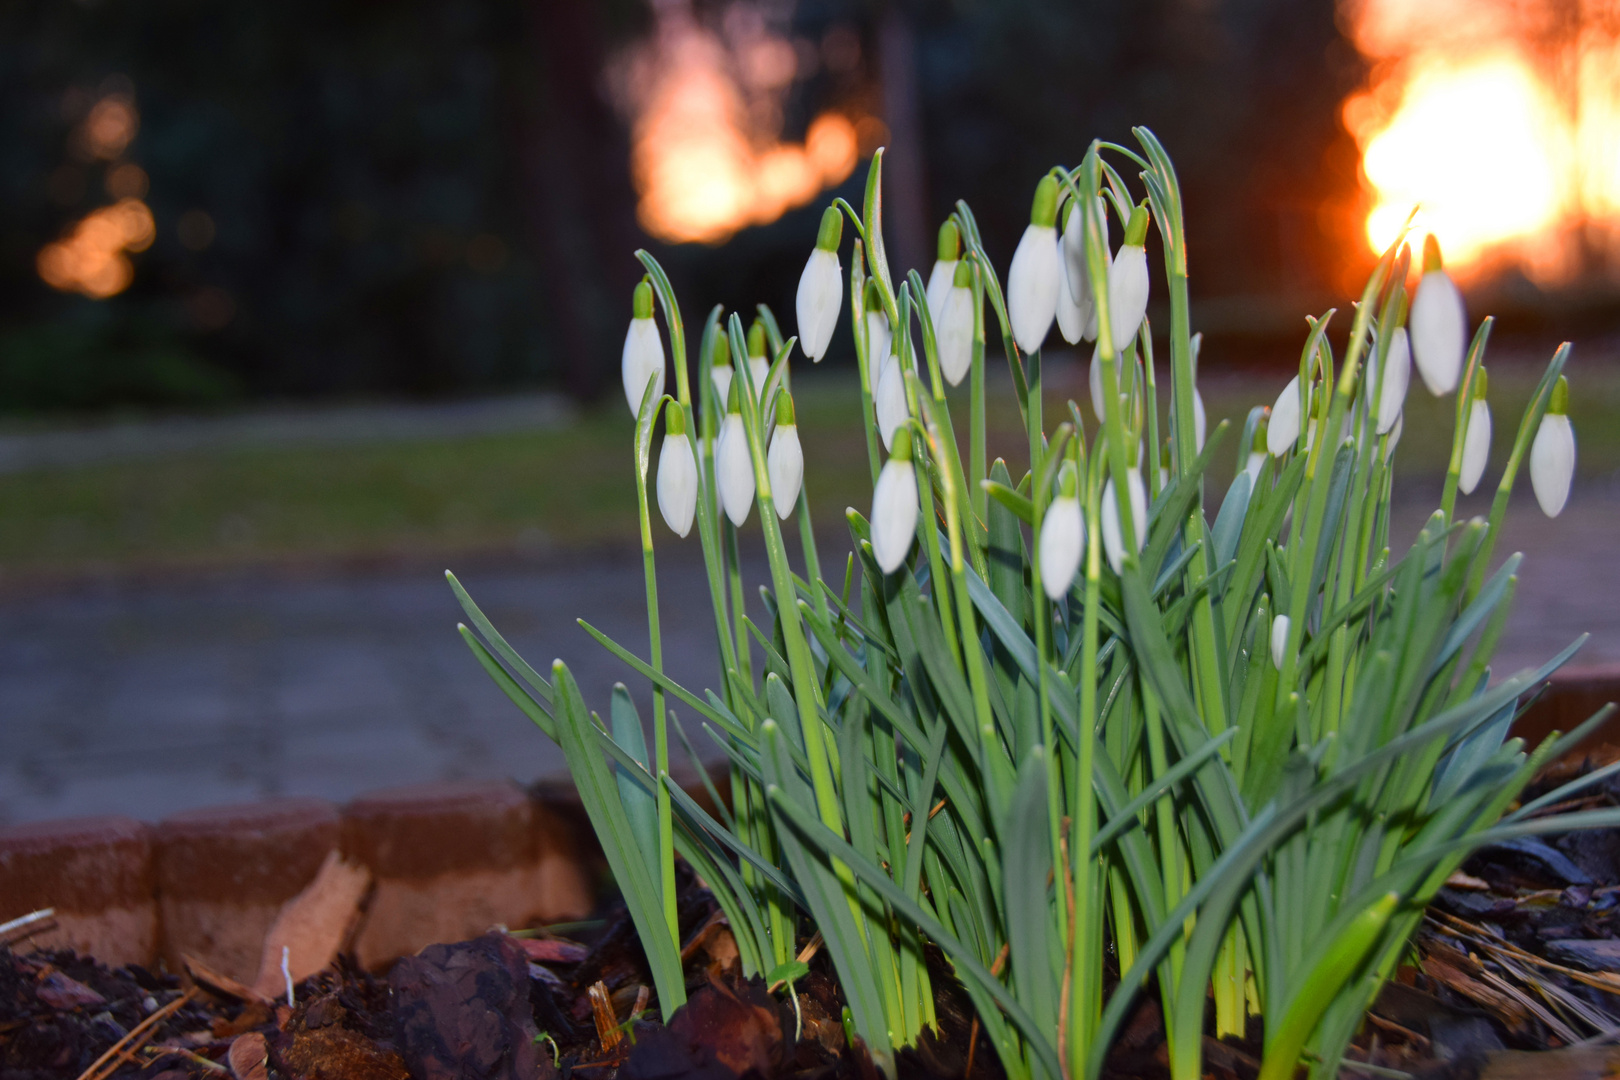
column 894, row 505
column 720, row 369
column 1034, row 276
column 1476, row 439
column 1077, row 272
column 940, row 278
column 1439, row 324
column 1552, row 455
column 677, row 474
column 1397, row 377
column 1283, row 430
column 1063, row 535
column 784, row 464
column 643, row 359
column 1112, row 535
column 1128, row 281
column 759, row 360
column 821, row 288
column 878, row 338
column 733, row 464
column 954, row 329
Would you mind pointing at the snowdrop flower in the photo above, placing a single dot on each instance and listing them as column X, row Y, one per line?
column 1033, row 277
column 1200, row 420
column 944, row 272
column 784, row 464
column 955, row 328
column 1439, row 324
column 821, row 288
column 1122, row 373
column 677, row 474
column 1397, row 377
column 643, row 359
column 1164, row 464
column 1063, row 535
column 894, row 506
column 1552, row 455
column 733, row 465
column 759, row 362
column 1113, row 541
column 1257, row 454
column 1128, row 282
column 1279, row 640
column 1077, row 272
column 1477, row 439
column 890, row 401
column 720, row 369
column 1283, row 430
column 878, row 338
column 1071, row 314
column 1395, row 436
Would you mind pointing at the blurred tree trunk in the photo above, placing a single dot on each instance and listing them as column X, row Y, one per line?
column 576, row 190
column 905, row 196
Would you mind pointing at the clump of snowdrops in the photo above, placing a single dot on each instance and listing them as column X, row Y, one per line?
column 1084, row 707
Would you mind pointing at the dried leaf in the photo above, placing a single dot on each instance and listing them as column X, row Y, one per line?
column 248, row 1056
column 313, row 925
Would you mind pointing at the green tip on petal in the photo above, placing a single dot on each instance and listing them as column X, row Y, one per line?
column 1136, row 227
column 950, row 242
column 1044, row 210
column 1559, row 405
column 1259, row 443
column 733, row 401
column 1480, row 381
column 756, row 338
column 1431, row 255
column 874, row 299
column 901, row 451
column 641, row 305
column 784, row 409
column 674, row 421
column 964, row 275
column 720, row 355
column 832, row 229
column 1069, row 481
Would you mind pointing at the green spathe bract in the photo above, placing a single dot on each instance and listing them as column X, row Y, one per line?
column 1240, row 752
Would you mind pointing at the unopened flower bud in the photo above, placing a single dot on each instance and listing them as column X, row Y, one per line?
column 890, row 400
column 955, row 329
column 1282, row 432
column 1063, row 535
column 1552, row 455
column 1397, row 376
column 1439, row 324
column 1128, row 281
column 878, row 338
column 643, row 358
column 1033, row 277
column 733, row 464
column 1279, row 640
column 1077, row 272
column 944, row 272
column 677, row 474
column 821, row 288
column 1477, row 438
column 1113, row 538
column 720, row 369
column 784, row 463
column 894, row 506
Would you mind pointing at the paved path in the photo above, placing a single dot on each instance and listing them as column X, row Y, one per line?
column 147, row 699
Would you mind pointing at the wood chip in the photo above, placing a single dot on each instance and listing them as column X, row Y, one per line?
column 313, row 926
column 249, row 1057
column 223, row 984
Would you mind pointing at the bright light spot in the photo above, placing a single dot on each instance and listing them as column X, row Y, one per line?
column 706, row 156
column 1509, row 156
column 91, row 259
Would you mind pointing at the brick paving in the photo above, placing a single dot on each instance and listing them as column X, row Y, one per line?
column 147, row 699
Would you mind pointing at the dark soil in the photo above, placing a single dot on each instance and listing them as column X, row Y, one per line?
column 1519, row 953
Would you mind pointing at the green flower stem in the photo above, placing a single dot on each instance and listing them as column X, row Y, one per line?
column 977, row 453
column 1459, row 427
column 869, row 366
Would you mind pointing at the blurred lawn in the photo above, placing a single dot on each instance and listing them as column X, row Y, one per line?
column 566, row 488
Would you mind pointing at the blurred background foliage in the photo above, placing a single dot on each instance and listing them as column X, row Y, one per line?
column 431, row 198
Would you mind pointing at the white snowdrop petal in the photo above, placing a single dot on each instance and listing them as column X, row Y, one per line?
column 955, row 335
column 894, row 514
column 1279, row 640
column 784, row 464
column 1252, row 467
column 1200, row 420
column 734, row 469
column 1071, row 313
column 1439, row 329
column 940, row 281
column 890, row 401
column 1096, row 380
column 677, row 483
column 1282, row 431
column 722, row 382
column 1063, row 538
column 877, row 347
column 1112, row 535
column 1552, row 463
column 821, row 295
column 1392, row 395
column 643, row 359
column 1127, row 294
column 1032, row 286
column 1476, row 446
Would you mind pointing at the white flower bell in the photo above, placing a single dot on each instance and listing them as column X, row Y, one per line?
column 1128, row 282
column 720, row 369
column 1477, row 438
column 1397, row 377
column 944, row 271
column 1200, row 420
column 1071, row 314
column 1034, row 276
column 733, row 464
column 890, row 401
column 1282, row 431
column 894, row 506
column 1095, row 377
column 784, row 464
column 821, row 288
column 643, row 359
column 1077, row 272
column 1279, row 640
column 879, row 340
column 677, row 474
column 1439, row 324
column 954, row 330
column 1552, row 455
column 1112, row 535
column 1063, row 535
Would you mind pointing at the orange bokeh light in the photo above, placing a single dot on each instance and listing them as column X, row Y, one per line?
column 92, row 258
column 1501, row 127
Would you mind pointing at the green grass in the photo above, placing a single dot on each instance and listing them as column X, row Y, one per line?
column 568, row 488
